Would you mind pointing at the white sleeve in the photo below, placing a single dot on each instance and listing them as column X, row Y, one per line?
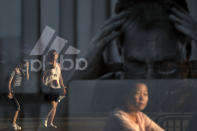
column 150, row 125
column 116, row 123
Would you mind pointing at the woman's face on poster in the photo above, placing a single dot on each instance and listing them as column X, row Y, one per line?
column 150, row 45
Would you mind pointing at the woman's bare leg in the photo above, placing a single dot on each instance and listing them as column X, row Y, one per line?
column 51, row 114
column 48, row 115
column 16, row 126
column 15, row 117
column 54, row 104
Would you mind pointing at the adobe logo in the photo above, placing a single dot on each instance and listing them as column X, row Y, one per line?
column 43, row 45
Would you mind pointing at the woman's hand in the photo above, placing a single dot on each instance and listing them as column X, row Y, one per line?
column 102, row 38
column 10, row 95
column 27, row 68
column 27, row 65
column 184, row 23
column 65, row 91
column 107, row 32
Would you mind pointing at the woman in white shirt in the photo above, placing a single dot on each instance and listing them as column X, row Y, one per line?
column 130, row 117
column 52, row 78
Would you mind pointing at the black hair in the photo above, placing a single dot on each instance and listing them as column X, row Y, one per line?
column 51, row 52
column 50, row 55
column 123, row 5
column 21, row 63
column 49, row 59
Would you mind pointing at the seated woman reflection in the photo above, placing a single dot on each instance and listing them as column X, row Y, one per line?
column 130, row 117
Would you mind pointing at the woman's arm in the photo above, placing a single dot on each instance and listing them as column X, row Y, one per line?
column 10, row 95
column 150, row 125
column 44, row 77
column 27, row 73
column 62, row 84
column 61, row 78
column 10, row 83
column 62, row 81
column 118, row 121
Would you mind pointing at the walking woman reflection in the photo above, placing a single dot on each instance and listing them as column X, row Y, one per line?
column 15, row 82
column 52, row 78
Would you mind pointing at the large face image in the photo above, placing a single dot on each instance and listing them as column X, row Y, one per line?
column 151, row 46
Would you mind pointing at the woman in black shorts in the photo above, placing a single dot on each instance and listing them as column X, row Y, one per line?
column 52, row 78
column 16, row 79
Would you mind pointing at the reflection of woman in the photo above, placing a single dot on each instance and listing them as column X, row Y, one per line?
column 52, row 78
column 15, row 81
column 130, row 117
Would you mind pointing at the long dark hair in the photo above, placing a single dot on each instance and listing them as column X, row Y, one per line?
column 50, row 55
column 50, row 58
